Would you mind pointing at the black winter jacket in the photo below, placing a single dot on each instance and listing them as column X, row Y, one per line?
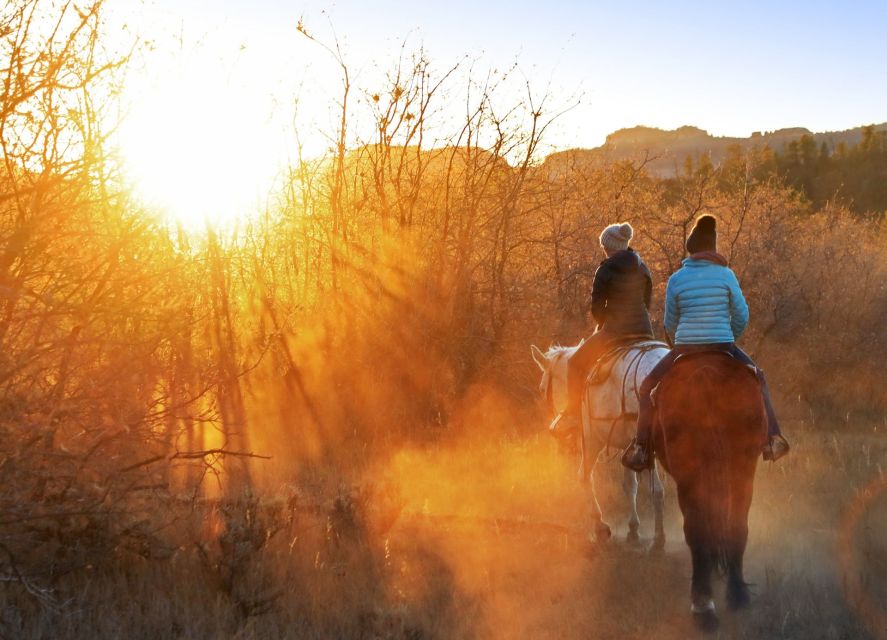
column 620, row 295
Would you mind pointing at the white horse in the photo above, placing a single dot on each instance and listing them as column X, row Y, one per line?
column 609, row 416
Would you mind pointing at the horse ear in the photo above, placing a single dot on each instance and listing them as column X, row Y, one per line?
column 539, row 357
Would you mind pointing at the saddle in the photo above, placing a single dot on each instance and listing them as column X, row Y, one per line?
column 604, row 366
column 755, row 371
column 690, row 355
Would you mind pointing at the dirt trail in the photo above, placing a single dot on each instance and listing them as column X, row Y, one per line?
column 487, row 540
column 482, row 557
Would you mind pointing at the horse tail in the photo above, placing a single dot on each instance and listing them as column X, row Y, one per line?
column 716, row 471
column 721, row 517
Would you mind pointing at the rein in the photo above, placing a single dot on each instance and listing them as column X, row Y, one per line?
column 640, row 350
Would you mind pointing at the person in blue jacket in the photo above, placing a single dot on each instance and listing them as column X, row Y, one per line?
column 704, row 311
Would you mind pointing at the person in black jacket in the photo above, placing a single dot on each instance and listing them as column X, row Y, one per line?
column 620, row 299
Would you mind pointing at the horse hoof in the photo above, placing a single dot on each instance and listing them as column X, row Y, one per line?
column 657, row 546
column 738, row 598
column 703, row 610
column 602, row 532
column 707, row 621
column 633, row 538
column 600, row 536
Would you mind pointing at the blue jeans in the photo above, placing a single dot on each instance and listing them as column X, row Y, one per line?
column 645, row 402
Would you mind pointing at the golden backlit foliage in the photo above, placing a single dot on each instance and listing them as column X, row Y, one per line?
column 384, row 302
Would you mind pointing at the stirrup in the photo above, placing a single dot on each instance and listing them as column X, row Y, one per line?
column 637, row 457
column 777, row 447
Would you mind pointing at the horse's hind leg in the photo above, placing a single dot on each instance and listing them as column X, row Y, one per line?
column 600, row 529
column 658, row 510
column 701, row 552
column 630, row 487
column 702, row 605
column 738, row 595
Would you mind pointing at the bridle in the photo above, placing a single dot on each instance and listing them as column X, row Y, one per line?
column 546, row 384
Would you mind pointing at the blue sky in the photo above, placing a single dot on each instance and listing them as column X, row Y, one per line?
column 731, row 68
column 223, row 80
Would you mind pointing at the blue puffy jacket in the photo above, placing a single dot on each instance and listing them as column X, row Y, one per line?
column 704, row 304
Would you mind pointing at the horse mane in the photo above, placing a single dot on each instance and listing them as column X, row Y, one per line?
column 558, row 349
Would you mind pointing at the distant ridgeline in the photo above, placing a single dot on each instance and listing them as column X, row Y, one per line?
column 849, row 166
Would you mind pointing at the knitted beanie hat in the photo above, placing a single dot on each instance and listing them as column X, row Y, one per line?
column 617, row 236
column 704, row 236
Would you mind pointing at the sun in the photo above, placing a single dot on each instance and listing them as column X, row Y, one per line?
column 200, row 146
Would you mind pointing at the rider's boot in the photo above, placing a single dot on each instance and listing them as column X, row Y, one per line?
column 777, row 447
column 564, row 424
column 638, row 456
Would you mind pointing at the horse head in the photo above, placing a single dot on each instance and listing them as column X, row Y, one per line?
column 553, row 364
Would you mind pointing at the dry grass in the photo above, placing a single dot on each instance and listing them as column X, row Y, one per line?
column 488, row 545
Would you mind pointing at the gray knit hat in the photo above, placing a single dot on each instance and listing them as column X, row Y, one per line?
column 617, row 236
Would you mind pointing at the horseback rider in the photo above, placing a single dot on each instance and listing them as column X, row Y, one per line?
column 620, row 299
column 704, row 311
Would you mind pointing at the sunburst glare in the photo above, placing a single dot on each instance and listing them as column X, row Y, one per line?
column 199, row 142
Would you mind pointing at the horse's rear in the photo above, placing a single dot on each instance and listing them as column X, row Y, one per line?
column 711, row 421
column 609, row 419
column 609, row 411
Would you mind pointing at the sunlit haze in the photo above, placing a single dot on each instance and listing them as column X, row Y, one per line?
column 371, row 320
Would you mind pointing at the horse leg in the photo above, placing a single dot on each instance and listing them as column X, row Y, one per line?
column 591, row 449
column 658, row 510
column 600, row 529
column 696, row 534
column 738, row 595
column 630, row 487
column 701, row 604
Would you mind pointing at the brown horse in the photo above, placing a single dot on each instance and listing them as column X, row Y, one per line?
column 710, row 429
